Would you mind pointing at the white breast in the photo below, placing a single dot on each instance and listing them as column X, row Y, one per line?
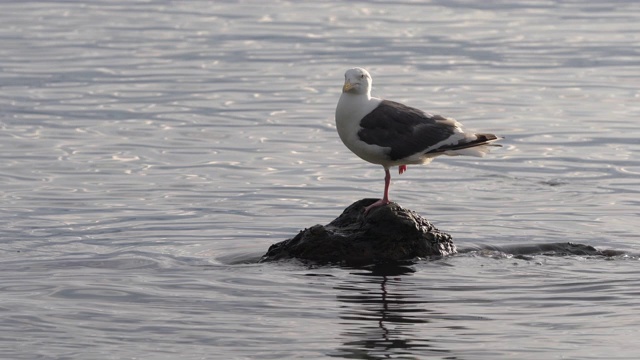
column 350, row 110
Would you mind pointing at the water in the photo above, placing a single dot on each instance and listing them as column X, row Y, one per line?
column 150, row 152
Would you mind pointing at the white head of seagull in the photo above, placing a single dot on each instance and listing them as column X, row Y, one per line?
column 390, row 134
column 357, row 81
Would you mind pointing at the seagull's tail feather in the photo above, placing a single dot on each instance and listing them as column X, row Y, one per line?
column 480, row 146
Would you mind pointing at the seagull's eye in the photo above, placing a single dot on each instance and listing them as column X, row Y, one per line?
column 362, row 76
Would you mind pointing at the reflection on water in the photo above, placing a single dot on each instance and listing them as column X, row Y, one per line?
column 378, row 313
column 414, row 312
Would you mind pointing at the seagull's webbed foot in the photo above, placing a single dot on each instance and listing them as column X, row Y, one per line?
column 402, row 169
column 376, row 204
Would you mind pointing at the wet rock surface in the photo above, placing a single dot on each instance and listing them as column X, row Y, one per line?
column 529, row 251
column 386, row 234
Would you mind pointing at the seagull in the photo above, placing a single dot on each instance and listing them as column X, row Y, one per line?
column 390, row 134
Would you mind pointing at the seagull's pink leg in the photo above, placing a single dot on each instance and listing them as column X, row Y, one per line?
column 402, row 169
column 385, row 199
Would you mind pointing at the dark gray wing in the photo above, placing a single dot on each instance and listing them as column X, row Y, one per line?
column 404, row 129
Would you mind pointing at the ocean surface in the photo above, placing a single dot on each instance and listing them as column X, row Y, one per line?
column 152, row 151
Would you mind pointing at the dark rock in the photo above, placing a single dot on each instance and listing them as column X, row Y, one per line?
column 386, row 234
column 525, row 251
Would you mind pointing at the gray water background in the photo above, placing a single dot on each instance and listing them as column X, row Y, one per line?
column 151, row 151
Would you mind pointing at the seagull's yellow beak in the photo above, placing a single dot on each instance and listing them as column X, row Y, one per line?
column 347, row 86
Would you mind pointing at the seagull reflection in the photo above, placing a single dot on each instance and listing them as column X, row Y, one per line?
column 382, row 315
